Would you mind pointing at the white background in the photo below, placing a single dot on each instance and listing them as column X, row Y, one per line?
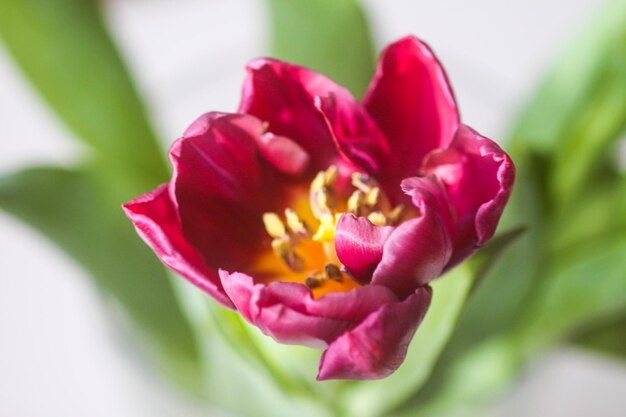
column 59, row 354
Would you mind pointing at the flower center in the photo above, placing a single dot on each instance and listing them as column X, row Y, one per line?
column 303, row 240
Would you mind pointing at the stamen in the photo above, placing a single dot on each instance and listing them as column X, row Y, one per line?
column 326, row 230
column 318, row 182
column 283, row 249
column 377, row 218
column 322, row 194
column 330, row 251
column 372, row 196
column 355, row 202
column 325, row 199
column 274, row 225
column 395, row 214
column 333, row 272
column 312, row 282
column 296, row 225
column 330, row 176
column 362, row 182
column 367, row 200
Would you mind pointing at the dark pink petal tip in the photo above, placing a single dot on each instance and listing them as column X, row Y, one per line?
column 356, row 135
column 377, row 346
column 155, row 219
column 287, row 311
column 359, row 245
column 283, row 95
column 418, row 249
column 478, row 176
column 412, row 102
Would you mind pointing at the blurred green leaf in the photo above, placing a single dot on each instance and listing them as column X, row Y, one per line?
column 580, row 108
column 610, row 338
column 236, row 367
column 62, row 46
column 476, row 323
column 73, row 209
column 531, row 298
column 375, row 398
column 490, row 254
column 599, row 213
column 329, row 36
column 584, row 286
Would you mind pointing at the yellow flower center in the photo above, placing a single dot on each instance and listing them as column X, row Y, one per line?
column 303, row 240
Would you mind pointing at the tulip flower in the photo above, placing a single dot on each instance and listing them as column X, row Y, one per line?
column 322, row 219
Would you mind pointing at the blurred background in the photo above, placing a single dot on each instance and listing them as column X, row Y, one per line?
column 60, row 354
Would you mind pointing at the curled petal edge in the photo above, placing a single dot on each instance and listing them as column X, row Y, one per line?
column 376, row 347
column 288, row 313
column 154, row 217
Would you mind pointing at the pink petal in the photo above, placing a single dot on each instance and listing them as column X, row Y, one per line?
column 283, row 95
column 284, row 154
column 417, row 250
column 412, row 103
column 359, row 245
column 287, row 311
column 221, row 188
column 478, row 177
column 376, row 347
column 155, row 219
column 355, row 133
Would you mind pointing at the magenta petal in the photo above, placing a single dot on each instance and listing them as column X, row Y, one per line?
column 478, row 177
column 355, row 133
column 412, row 103
column 418, row 249
column 287, row 312
column 221, row 187
column 282, row 95
column 154, row 217
column 376, row 347
column 284, row 154
column 359, row 245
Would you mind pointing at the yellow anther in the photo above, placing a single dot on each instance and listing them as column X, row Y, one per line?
column 283, row 249
column 330, row 176
column 395, row 214
column 318, row 182
column 274, row 225
column 322, row 200
column 355, row 201
column 372, row 196
column 326, row 200
column 296, row 225
column 362, row 182
column 377, row 218
column 326, row 230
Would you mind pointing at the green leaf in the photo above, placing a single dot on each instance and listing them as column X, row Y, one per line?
column 74, row 210
column 607, row 339
column 585, row 287
column 599, row 213
column 579, row 110
column 235, row 366
column 329, row 36
column 63, row 48
column 374, row 398
column 475, row 324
